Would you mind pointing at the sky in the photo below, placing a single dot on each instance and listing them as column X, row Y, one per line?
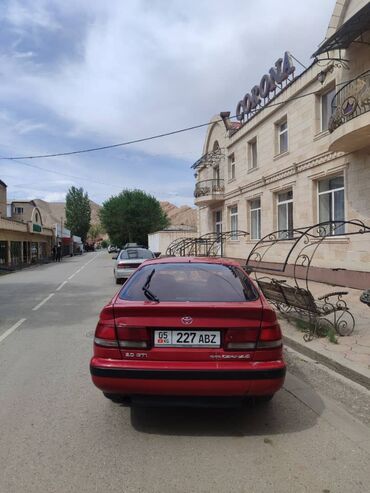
column 87, row 73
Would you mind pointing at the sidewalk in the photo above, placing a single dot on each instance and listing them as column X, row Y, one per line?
column 351, row 356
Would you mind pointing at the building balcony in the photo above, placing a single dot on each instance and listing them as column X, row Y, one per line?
column 349, row 124
column 208, row 192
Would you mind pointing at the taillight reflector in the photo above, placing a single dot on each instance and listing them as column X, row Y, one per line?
column 133, row 344
column 105, row 342
column 270, row 337
column 105, row 334
column 241, row 338
column 269, row 344
column 133, row 337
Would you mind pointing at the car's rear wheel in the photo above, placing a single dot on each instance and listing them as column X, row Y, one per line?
column 117, row 398
column 118, row 281
column 257, row 400
column 263, row 399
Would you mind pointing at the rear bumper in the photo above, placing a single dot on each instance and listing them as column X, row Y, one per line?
column 172, row 378
column 124, row 273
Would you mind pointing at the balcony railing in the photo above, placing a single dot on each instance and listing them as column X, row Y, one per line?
column 209, row 187
column 352, row 100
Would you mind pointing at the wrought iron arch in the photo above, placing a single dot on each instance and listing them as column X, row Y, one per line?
column 207, row 245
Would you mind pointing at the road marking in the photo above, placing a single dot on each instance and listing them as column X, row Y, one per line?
column 12, row 329
column 83, row 266
column 43, row 301
column 60, row 287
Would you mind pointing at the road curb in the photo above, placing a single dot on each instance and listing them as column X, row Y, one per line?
column 343, row 370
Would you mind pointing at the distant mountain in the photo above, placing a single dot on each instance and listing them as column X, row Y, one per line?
column 183, row 215
column 54, row 212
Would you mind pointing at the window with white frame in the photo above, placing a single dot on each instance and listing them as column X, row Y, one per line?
column 234, row 222
column 18, row 210
column 326, row 109
column 255, row 218
column 282, row 136
column 217, row 218
column 331, row 204
column 252, row 154
column 285, row 214
column 232, row 167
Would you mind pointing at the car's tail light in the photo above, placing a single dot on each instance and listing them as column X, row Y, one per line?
column 105, row 333
column 105, row 340
column 126, row 266
column 133, row 337
column 241, row 338
column 270, row 337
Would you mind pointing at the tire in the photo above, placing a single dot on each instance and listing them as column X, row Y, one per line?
column 118, row 281
column 257, row 400
column 263, row 399
column 117, row 398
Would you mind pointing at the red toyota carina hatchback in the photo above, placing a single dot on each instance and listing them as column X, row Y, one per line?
column 188, row 328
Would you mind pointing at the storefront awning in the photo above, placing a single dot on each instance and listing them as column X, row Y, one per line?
column 348, row 32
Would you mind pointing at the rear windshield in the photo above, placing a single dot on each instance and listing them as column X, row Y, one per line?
column 190, row 282
column 135, row 253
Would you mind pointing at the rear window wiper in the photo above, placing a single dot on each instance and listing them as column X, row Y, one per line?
column 151, row 296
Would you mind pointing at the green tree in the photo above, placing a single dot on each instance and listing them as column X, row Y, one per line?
column 130, row 216
column 78, row 212
column 95, row 232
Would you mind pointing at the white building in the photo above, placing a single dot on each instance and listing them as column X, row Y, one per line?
column 298, row 154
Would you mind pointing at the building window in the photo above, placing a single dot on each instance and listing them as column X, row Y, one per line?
column 234, row 222
column 216, row 174
column 18, row 210
column 217, row 221
column 252, row 154
column 285, row 214
column 282, row 136
column 37, row 217
column 232, row 167
column 331, row 204
column 255, row 219
column 3, row 252
column 326, row 109
column 15, row 253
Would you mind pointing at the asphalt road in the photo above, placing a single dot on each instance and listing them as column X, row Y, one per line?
column 59, row 434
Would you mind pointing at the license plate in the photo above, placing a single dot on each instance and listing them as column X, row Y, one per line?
column 187, row 338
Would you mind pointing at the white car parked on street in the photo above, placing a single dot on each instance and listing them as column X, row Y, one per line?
column 128, row 261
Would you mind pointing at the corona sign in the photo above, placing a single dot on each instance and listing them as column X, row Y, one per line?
column 269, row 83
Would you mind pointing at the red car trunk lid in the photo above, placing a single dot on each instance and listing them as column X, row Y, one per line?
column 237, row 323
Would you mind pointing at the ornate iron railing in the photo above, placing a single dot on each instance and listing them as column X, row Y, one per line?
column 212, row 158
column 274, row 253
column 207, row 245
column 352, row 100
column 209, row 187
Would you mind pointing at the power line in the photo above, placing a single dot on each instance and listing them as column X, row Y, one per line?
column 112, row 146
column 61, row 173
column 154, row 137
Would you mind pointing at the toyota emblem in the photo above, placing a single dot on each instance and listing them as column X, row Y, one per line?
column 187, row 320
